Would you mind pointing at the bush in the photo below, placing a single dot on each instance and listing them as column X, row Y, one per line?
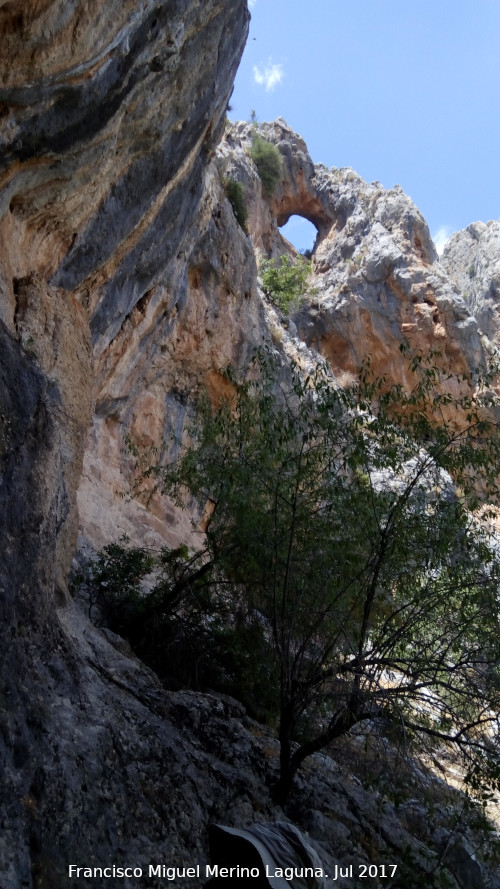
column 113, row 583
column 269, row 163
column 285, row 282
column 182, row 623
column 235, row 193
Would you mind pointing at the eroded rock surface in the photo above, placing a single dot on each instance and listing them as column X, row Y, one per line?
column 108, row 116
column 472, row 260
column 377, row 281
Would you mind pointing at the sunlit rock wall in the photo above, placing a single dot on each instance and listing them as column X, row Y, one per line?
column 472, row 259
column 376, row 281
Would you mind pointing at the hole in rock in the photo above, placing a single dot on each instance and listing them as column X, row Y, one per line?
column 301, row 233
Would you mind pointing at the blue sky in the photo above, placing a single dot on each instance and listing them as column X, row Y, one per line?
column 405, row 91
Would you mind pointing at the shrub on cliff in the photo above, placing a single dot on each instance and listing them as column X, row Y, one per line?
column 268, row 161
column 235, row 193
column 352, row 523
column 180, row 617
column 285, row 281
column 113, row 583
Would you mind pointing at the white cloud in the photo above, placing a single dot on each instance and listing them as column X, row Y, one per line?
column 252, row 3
column 270, row 76
column 441, row 237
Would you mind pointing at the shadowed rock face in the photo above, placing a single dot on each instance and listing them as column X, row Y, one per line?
column 105, row 137
column 109, row 113
column 108, row 116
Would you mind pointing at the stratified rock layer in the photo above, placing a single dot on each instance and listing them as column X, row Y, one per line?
column 109, row 114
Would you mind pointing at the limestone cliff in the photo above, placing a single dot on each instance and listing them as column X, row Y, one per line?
column 377, row 280
column 108, row 116
column 126, row 283
column 376, row 283
column 472, row 259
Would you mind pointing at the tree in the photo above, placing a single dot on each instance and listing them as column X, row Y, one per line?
column 354, row 523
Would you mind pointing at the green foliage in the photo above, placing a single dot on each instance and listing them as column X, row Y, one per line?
column 285, row 282
column 268, row 161
column 336, row 523
column 181, row 620
column 113, row 581
column 235, row 193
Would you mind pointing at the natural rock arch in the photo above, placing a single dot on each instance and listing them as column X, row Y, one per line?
column 308, row 207
column 299, row 192
column 301, row 233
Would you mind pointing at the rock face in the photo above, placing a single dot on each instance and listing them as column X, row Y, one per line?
column 108, row 116
column 126, row 285
column 109, row 113
column 472, row 260
column 377, row 279
column 202, row 315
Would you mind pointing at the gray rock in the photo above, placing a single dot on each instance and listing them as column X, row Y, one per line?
column 377, row 281
column 472, row 259
column 115, row 221
column 457, row 853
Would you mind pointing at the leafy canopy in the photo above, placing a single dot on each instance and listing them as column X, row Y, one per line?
column 285, row 282
column 349, row 524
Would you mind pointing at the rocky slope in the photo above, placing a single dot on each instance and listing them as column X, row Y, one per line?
column 126, row 284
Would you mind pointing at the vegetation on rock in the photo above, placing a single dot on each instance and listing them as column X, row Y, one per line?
column 285, row 282
column 347, row 532
column 179, row 615
column 268, row 161
column 235, row 193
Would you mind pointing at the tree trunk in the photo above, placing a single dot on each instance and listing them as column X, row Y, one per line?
column 284, row 785
column 290, row 762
